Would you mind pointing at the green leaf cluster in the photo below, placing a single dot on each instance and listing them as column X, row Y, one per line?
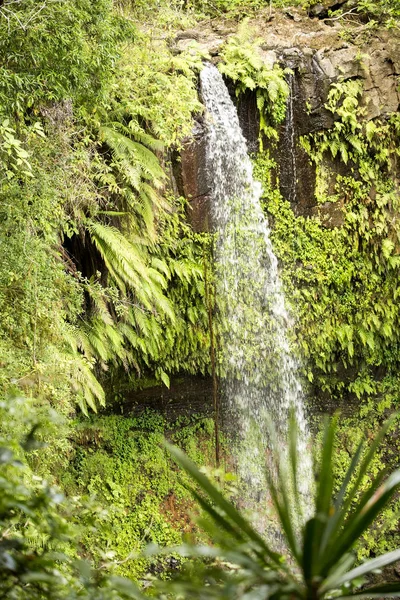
column 243, row 64
column 344, row 280
column 81, row 500
column 382, row 11
column 121, row 461
column 100, row 266
column 56, row 51
column 39, row 555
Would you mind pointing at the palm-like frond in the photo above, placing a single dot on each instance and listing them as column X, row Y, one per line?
column 323, row 565
column 133, row 129
column 89, row 391
column 123, row 260
column 131, row 152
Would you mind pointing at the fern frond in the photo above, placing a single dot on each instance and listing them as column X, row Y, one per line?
column 122, row 259
column 89, row 389
column 134, row 153
column 99, row 300
column 161, row 266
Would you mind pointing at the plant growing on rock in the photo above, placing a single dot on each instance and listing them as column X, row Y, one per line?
column 243, row 64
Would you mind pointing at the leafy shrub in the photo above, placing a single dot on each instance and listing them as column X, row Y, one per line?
column 39, row 554
column 96, row 265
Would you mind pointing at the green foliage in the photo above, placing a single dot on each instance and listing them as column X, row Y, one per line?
column 383, row 536
column 117, row 490
column 321, row 561
column 55, row 51
column 91, row 255
column 134, row 323
column 234, row 8
column 14, row 158
column 381, row 11
column 155, row 91
column 343, row 140
column 37, row 296
column 39, row 555
column 122, row 462
column 242, row 63
column 168, row 14
column 344, row 281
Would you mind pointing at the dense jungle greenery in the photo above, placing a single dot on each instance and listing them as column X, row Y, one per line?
column 102, row 281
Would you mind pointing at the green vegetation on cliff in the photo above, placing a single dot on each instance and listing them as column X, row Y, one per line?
column 102, row 279
column 344, row 280
column 100, row 268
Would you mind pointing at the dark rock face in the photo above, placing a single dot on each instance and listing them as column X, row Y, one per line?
column 186, row 396
column 321, row 10
column 249, row 119
column 295, row 171
column 191, row 178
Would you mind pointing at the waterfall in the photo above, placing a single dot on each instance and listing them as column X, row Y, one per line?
column 289, row 136
column 258, row 372
column 287, row 151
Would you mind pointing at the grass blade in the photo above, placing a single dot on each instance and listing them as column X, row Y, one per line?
column 312, row 535
column 385, row 590
column 362, row 570
column 367, row 460
column 281, row 500
column 339, row 516
column 356, row 527
column 229, row 510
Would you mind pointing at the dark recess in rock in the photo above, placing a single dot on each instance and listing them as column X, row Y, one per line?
column 246, row 105
column 321, row 10
column 188, row 395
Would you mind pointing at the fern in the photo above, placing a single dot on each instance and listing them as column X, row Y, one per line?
column 89, row 391
column 123, row 260
column 127, row 151
column 243, row 64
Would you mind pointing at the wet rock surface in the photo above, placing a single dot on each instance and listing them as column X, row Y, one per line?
column 318, row 55
column 194, row 182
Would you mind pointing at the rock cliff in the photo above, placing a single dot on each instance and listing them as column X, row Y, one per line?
column 320, row 51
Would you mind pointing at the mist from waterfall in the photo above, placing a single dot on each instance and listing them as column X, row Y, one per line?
column 258, row 371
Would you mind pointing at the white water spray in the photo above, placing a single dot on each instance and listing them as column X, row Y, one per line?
column 259, row 373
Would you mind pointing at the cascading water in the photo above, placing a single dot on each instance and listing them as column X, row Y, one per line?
column 290, row 145
column 259, row 373
column 286, row 152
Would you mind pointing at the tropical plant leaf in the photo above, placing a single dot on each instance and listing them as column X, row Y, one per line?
column 228, row 509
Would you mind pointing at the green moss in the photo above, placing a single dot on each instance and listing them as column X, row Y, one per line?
column 142, row 497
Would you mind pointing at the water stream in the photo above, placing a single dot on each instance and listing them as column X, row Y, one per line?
column 290, row 139
column 259, row 373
